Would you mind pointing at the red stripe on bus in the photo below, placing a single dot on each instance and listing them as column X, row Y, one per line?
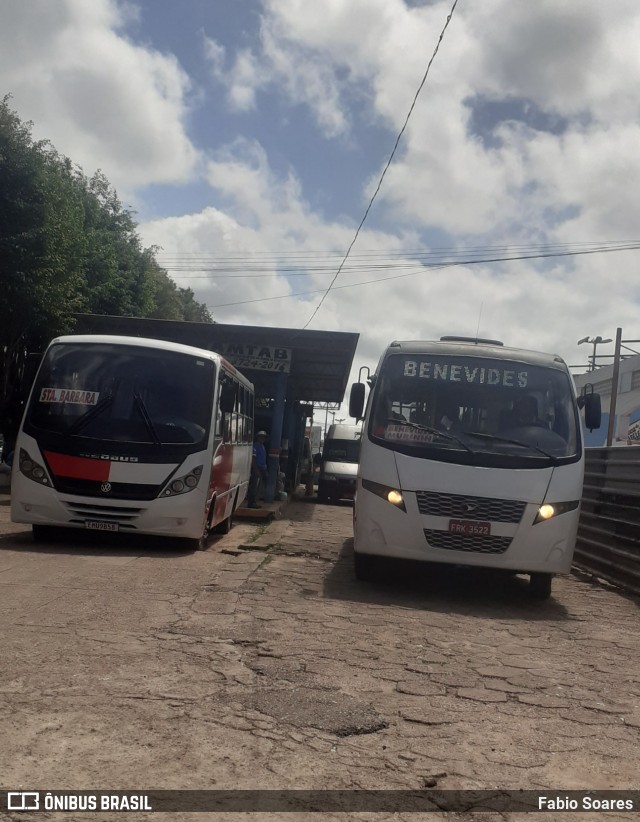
column 62, row 465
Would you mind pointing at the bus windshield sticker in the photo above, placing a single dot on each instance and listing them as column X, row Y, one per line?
column 68, row 395
column 400, row 433
column 458, row 372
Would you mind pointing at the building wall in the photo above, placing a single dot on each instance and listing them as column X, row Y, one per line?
column 627, row 423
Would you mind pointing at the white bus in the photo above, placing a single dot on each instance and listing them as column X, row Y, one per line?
column 133, row 435
column 471, row 454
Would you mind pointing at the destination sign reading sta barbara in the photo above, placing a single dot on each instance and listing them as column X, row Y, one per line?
column 457, row 372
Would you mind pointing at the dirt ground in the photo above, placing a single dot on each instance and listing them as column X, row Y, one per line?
column 262, row 663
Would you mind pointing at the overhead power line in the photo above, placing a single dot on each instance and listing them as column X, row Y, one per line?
column 389, row 161
column 433, row 267
column 319, row 290
column 246, row 268
column 258, row 256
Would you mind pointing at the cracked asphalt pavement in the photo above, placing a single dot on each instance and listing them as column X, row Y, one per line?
column 263, row 663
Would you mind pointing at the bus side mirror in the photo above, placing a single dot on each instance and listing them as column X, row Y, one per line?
column 356, row 400
column 592, row 409
column 227, row 398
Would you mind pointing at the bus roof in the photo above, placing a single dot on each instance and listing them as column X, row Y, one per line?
column 144, row 342
column 472, row 349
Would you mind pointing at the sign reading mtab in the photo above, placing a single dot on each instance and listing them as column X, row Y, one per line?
column 259, row 357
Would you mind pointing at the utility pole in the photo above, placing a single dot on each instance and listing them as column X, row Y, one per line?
column 614, row 387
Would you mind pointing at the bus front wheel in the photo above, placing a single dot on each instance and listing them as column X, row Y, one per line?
column 225, row 526
column 200, row 544
column 540, row 585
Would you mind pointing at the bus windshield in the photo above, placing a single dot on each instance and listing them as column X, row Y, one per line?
column 342, row 451
column 122, row 393
column 436, row 405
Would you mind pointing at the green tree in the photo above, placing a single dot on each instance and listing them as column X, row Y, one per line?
column 192, row 310
column 117, row 269
column 41, row 244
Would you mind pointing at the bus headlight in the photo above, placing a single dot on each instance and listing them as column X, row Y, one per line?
column 392, row 495
column 553, row 509
column 33, row 470
column 182, row 485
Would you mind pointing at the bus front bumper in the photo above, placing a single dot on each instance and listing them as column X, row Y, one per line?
column 384, row 530
column 179, row 516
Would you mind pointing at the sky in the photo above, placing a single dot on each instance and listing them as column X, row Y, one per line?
column 249, row 136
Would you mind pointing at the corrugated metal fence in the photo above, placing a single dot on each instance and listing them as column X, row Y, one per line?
column 609, row 531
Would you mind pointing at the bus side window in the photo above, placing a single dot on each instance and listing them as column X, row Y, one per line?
column 227, row 418
column 218, row 422
column 244, row 413
column 251, row 414
column 240, row 413
column 236, row 413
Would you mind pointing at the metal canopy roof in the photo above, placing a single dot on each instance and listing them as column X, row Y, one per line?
column 320, row 364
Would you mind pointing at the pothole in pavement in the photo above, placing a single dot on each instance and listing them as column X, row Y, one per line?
column 331, row 711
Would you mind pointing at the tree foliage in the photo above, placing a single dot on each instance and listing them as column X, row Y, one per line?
column 67, row 245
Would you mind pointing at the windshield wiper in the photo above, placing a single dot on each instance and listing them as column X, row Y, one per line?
column 528, row 445
column 434, row 431
column 91, row 414
column 142, row 409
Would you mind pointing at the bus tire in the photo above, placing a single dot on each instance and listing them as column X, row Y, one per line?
column 364, row 566
column 540, row 585
column 225, row 526
column 200, row 544
column 45, row 533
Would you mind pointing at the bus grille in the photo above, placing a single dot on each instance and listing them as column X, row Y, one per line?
column 460, row 506
column 475, row 544
column 116, row 491
column 103, row 512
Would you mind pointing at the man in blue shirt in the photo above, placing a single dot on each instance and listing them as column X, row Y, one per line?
column 258, row 479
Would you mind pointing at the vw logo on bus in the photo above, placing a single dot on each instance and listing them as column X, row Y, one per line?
column 105, row 487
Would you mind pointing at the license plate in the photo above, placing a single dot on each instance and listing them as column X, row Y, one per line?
column 469, row 527
column 98, row 525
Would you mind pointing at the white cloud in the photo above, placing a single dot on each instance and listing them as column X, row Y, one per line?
column 102, row 100
column 216, row 54
column 284, row 65
column 242, row 80
column 267, row 223
column 581, row 64
column 306, row 79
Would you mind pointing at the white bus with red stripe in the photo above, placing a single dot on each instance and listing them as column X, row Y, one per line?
column 133, row 435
